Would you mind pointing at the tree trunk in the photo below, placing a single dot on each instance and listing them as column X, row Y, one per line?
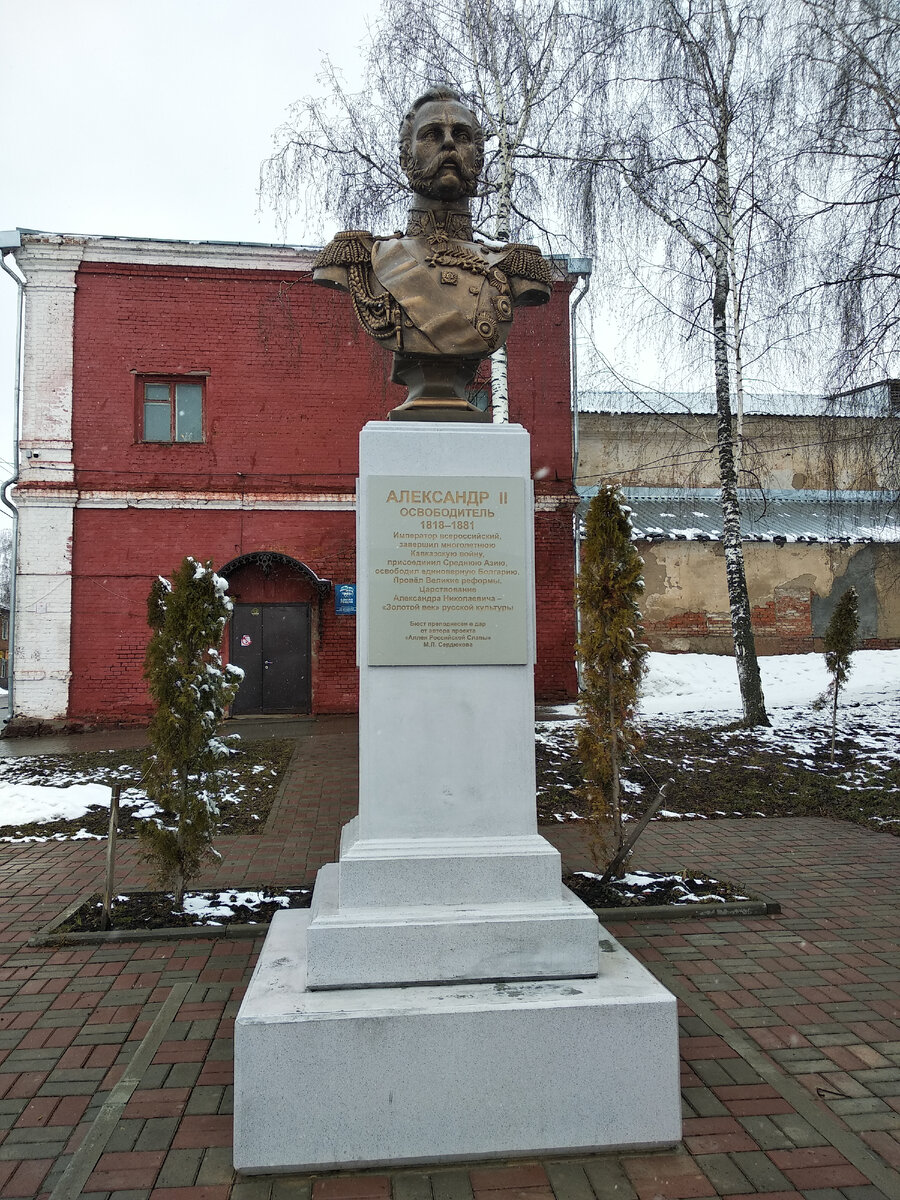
column 500, row 359
column 179, row 876
column 500, row 387
column 618, row 862
column 738, row 598
column 834, row 706
column 614, row 786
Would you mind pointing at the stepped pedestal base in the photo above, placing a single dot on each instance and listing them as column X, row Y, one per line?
column 367, row 1076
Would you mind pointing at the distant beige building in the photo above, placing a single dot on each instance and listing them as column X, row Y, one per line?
column 819, row 514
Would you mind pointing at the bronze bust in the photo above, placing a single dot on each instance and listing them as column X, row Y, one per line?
column 439, row 299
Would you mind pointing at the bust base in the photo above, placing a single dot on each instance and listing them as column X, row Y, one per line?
column 427, row 408
column 437, row 388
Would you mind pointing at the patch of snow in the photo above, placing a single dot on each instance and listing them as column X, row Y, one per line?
column 22, row 803
column 222, row 904
column 702, row 684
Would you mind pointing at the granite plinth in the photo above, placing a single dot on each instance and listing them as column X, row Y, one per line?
column 367, row 1076
column 427, row 943
column 443, row 876
column 398, row 871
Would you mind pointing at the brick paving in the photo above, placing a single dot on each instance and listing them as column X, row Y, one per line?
column 116, row 1059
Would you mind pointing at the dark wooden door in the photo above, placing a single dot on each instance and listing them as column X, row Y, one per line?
column 270, row 642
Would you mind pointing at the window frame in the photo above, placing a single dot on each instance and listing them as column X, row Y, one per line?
column 171, row 380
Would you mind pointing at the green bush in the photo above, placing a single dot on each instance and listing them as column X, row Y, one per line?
column 192, row 690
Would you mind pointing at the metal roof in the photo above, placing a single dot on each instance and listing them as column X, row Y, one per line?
column 668, row 514
column 870, row 401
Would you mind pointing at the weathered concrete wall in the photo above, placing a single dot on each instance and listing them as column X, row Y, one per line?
column 654, row 450
column 793, row 590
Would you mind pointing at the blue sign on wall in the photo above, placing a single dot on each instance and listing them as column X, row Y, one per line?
column 345, row 598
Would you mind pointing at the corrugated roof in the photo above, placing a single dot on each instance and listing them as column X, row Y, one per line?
column 789, row 516
column 870, row 401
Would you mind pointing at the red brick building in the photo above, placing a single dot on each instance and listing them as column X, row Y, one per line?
column 206, row 399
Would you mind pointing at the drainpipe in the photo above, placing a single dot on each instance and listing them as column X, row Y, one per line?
column 582, row 268
column 9, row 241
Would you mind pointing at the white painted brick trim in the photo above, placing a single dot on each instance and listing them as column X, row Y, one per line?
column 44, row 606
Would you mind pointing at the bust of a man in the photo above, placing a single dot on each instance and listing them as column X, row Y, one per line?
column 436, row 297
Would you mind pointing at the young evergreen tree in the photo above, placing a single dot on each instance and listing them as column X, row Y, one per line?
column 613, row 660
column 191, row 689
column 840, row 642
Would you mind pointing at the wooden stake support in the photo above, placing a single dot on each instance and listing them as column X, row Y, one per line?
column 110, row 856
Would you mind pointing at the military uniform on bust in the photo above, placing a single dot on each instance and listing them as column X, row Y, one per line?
column 440, row 300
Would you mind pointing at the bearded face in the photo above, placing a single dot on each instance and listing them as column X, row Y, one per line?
column 444, row 154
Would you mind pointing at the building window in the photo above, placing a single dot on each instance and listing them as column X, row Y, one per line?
column 171, row 410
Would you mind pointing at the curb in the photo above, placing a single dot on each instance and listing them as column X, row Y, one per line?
column 682, row 912
column 650, row 912
column 166, row 933
column 48, row 934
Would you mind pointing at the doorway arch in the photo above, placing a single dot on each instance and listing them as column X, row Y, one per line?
column 274, row 631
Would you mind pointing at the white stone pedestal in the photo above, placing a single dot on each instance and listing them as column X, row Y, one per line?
column 365, row 1076
column 446, row 997
column 443, row 876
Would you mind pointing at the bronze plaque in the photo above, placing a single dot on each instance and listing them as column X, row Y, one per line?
column 447, row 571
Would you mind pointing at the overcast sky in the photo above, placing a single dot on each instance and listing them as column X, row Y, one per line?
column 151, row 118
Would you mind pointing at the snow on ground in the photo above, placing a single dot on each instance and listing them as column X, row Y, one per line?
column 707, row 683
column 703, row 688
column 223, row 904
column 65, row 794
column 701, row 691
column 22, row 803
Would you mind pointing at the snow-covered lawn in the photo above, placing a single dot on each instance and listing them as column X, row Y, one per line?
column 21, row 803
column 689, row 713
column 59, row 797
column 681, row 692
column 703, row 688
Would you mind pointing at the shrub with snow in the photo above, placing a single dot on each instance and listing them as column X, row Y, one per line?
column 192, row 689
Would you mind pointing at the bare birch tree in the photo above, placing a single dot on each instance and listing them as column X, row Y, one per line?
column 513, row 60
column 681, row 169
column 850, row 64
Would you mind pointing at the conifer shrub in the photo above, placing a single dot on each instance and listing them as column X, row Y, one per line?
column 192, row 690
column 613, row 660
column 841, row 639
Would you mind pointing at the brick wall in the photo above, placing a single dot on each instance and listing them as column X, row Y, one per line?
column 555, row 679
column 793, row 590
column 780, row 626
column 290, row 381
column 292, row 378
column 119, row 553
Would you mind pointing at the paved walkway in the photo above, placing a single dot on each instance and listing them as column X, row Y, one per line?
column 116, row 1061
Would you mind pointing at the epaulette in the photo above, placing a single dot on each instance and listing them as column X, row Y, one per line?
column 346, row 249
column 526, row 262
